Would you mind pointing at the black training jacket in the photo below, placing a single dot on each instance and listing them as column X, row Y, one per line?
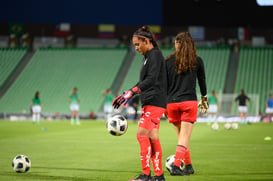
column 152, row 80
column 182, row 87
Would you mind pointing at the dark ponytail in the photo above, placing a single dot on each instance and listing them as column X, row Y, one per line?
column 143, row 33
column 36, row 94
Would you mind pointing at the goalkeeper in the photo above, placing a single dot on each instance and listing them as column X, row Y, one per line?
column 184, row 67
column 153, row 95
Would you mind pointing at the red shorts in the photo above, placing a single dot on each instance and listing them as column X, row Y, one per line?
column 150, row 117
column 183, row 111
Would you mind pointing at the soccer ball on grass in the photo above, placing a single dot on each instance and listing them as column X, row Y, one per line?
column 215, row 126
column 21, row 163
column 117, row 125
column 227, row 126
column 234, row 126
column 170, row 161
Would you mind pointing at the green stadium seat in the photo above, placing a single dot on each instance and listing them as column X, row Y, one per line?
column 255, row 75
column 54, row 72
column 9, row 59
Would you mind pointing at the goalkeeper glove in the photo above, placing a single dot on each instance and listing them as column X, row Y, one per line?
column 204, row 104
column 123, row 99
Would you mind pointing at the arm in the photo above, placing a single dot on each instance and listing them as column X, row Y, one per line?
column 203, row 104
column 248, row 100
column 201, row 76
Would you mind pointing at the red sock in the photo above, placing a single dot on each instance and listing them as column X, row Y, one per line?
column 157, row 157
column 145, row 153
column 187, row 159
column 179, row 155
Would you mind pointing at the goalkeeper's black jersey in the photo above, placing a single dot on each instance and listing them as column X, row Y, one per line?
column 242, row 99
column 152, row 80
column 182, row 87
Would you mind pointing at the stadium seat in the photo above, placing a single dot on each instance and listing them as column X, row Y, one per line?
column 254, row 75
column 54, row 72
column 9, row 59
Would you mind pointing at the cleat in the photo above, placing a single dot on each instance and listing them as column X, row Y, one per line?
column 189, row 169
column 177, row 171
column 142, row 177
column 158, row 178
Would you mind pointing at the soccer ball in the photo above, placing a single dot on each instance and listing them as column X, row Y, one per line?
column 117, row 125
column 21, row 163
column 227, row 126
column 234, row 126
column 215, row 126
column 169, row 163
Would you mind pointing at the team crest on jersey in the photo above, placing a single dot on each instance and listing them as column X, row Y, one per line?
column 147, row 114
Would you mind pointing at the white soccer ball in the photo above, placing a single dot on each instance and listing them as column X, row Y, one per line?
column 21, row 163
column 215, row 126
column 117, row 125
column 227, row 126
column 169, row 163
column 234, row 125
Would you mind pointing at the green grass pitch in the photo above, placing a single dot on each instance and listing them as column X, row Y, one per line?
column 61, row 152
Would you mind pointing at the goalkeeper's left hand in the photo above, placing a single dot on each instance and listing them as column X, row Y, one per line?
column 204, row 104
column 124, row 98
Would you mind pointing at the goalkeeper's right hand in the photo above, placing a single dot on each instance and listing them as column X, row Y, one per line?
column 204, row 104
column 123, row 99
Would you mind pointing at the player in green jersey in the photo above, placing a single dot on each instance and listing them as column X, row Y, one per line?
column 213, row 107
column 36, row 107
column 107, row 107
column 74, row 106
